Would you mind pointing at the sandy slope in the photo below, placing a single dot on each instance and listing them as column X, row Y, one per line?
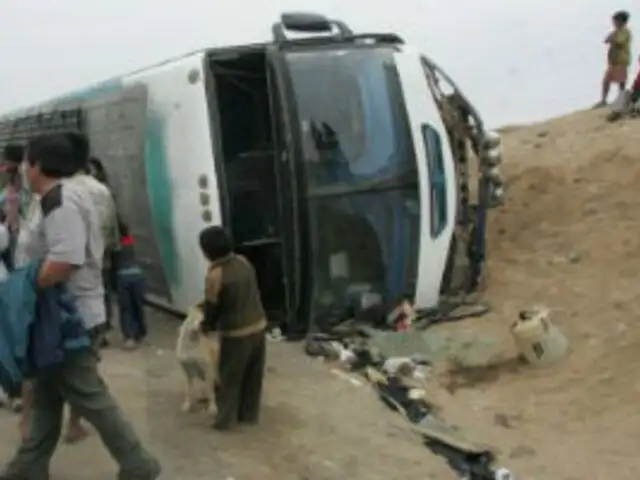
column 567, row 238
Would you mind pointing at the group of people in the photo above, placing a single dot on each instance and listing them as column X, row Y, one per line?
column 58, row 210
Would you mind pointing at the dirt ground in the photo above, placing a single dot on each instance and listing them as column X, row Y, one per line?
column 566, row 238
column 316, row 425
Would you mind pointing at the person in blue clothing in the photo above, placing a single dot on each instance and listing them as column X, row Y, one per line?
column 18, row 208
column 130, row 286
column 73, row 250
column 14, row 396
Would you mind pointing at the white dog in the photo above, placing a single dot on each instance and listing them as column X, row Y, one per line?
column 198, row 355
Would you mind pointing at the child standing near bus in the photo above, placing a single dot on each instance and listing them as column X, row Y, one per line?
column 131, row 288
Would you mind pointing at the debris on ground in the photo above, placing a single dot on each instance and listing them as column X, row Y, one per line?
column 397, row 363
column 437, row 346
column 567, row 238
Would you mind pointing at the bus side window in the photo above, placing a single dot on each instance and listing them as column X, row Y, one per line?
column 437, row 179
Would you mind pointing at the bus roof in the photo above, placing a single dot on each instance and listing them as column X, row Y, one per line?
column 97, row 86
column 108, row 83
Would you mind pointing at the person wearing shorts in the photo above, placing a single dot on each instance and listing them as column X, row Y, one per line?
column 618, row 55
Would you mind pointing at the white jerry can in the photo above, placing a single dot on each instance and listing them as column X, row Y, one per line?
column 537, row 338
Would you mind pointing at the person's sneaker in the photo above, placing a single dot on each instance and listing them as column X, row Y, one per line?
column 13, row 475
column 12, row 472
column 9, row 473
column 130, row 344
column 153, row 473
column 600, row 104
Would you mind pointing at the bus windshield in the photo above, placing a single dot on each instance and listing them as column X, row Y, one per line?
column 361, row 176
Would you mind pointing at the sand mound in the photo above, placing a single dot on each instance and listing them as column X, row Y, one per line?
column 572, row 187
column 568, row 238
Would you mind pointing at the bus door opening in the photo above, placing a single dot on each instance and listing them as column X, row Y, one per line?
column 249, row 158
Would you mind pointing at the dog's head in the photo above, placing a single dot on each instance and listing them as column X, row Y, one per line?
column 191, row 327
column 537, row 312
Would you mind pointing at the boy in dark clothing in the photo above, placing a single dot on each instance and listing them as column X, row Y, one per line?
column 131, row 289
column 233, row 308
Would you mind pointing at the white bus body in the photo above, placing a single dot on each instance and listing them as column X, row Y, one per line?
column 326, row 178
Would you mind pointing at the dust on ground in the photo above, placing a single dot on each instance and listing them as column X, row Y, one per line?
column 315, row 425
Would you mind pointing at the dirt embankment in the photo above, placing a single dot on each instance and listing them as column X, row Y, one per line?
column 567, row 238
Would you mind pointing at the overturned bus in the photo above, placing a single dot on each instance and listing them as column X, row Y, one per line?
column 345, row 165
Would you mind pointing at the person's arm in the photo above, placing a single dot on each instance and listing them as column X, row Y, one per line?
column 619, row 38
column 212, row 287
column 66, row 240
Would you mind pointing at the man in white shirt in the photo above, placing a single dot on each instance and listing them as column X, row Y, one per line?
column 105, row 206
